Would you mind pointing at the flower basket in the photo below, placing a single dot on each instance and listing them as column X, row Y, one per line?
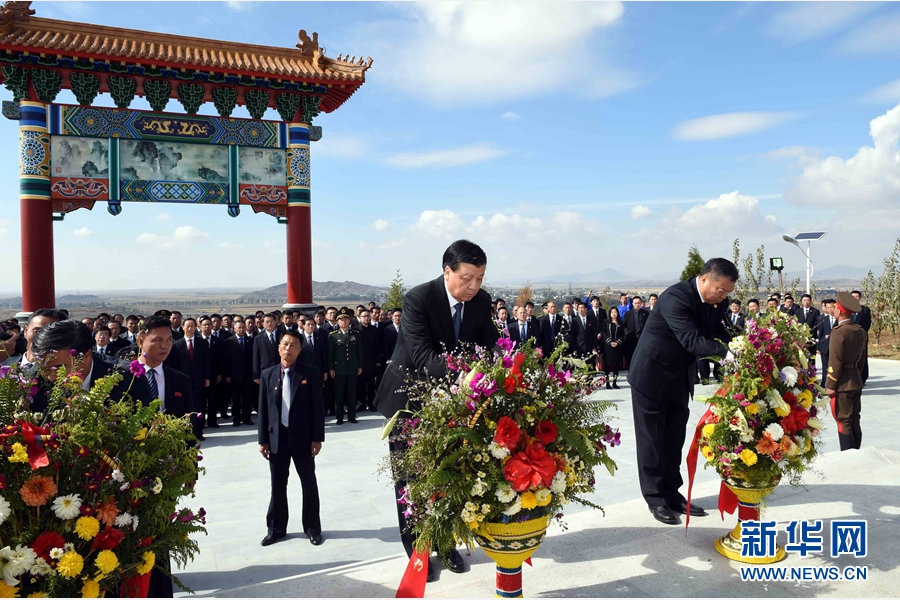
column 509, row 544
column 135, row 586
column 749, row 503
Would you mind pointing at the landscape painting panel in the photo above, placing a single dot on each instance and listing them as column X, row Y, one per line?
column 173, row 161
column 262, row 166
column 79, row 157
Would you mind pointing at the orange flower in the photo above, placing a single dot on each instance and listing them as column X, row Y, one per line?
column 108, row 511
column 38, row 490
column 766, row 445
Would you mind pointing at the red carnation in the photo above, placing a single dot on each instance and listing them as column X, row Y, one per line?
column 46, row 542
column 508, row 433
column 107, row 539
column 533, row 468
column 790, row 398
column 796, row 421
column 546, row 432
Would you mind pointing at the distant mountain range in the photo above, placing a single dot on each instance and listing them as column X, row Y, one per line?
column 329, row 290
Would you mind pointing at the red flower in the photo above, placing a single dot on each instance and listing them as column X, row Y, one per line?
column 546, row 432
column 790, row 398
column 46, row 542
column 146, row 541
column 796, row 421
column 107, row 539
column 508, row 433
column 532, row 468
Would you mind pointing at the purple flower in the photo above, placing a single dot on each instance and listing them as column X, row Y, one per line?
column 506, row 345
column 137, row 368
column 813, row 411
column 4, row 370
column 73, row 352
column 507, row 362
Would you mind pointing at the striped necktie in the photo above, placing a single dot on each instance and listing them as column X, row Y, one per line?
column 151, row 379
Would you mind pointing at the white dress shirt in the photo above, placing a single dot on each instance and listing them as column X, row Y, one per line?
column 453, row 302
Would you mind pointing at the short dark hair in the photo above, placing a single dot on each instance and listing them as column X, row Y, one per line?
column 155, row 323
column 293, row 334
column 772, row 299
column 103, row 314
column 805, row 296
column 654, row 295
column 204, row 318
column 271, row 316
column 319, row 312
column 102, row 328
column 752, row 301
column 189, row 319
column 721, row 267
column 364, row 311
column 565, row 304
column 463, row 251
column 856, row 292
column 786, row 296
column 251, row 317
column 776, row 295
column 500, row 300
column 176, row 312
column 829, row 301
column 259, row 313
column 63, row 334
column 360, row 306
column 529, row 303
column 331, row 308
column 131, row 318
column 736, row 301
column 214, row 315
column 594, row 297
column 636, row 297
column 118, row 315
column 50, row 313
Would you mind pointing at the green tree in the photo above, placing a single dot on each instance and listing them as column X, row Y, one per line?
column 754, row 273
column 694, row 264
column 395, row 293
column 882, row 296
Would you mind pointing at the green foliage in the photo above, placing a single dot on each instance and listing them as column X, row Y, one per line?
column 394, row 299
column 882, row 296
column 755, row 276
column 694, row 264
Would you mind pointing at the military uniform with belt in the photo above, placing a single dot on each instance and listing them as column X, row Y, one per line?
column 843, row 381
column 345, row 360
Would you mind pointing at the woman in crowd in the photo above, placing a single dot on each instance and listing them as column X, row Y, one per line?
column 613, row 339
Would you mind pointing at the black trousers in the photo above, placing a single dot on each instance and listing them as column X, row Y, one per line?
column 279, row 470
column 210, row 397
column 328, row 395
column 823, row 372
column 660, row 429
column 199, row 406
column 365, row 390
column 406, row 534
column 345, row 396
column 242, row 400
column 846, row 407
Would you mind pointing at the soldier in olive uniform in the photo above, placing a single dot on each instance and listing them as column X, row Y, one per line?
column 843, row 381
column 345, row 360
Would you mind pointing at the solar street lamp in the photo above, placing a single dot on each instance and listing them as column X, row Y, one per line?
column 808, row 237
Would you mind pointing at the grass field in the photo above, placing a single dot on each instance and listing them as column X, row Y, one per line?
column 888, row 348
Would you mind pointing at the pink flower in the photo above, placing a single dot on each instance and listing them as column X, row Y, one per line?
column 137, row 368
column 506, row 345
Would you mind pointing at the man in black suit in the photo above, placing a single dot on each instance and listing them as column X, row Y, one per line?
column 101, row 341
column 287, row 323
column 116, row 343
column 389, row 335
column 218, row 330
column 213, row 393
column 823, row 336
column 291, row 428
column 365, row 385
column 753, row 310
column 315, row 348
column 735, row 319
column 265, row 347
column 171, row 386
column 177, row 330
column 635, row 322
column 129, row 336
column 238, row 372
column 598, row 316
column 522, row 330
column 583, row 336
column 809, row 315
column 195, row 361
column 682, row 328
column 788, row 307
column 864, row 319
column 438, row 317
column 553, row 330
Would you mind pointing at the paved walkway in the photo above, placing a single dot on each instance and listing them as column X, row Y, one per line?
column 628, row 553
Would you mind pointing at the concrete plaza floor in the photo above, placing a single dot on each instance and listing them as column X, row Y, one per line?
column 622, row 554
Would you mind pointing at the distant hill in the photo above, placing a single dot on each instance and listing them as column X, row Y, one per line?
column 330, row 290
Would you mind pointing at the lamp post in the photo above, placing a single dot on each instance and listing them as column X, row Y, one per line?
column 808, row 237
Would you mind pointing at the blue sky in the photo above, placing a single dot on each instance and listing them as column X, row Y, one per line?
column 562, row 137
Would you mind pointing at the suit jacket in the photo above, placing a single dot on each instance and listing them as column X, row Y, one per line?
column 237, row 363
column 389, row 335
column 177, row 334
column 316, row 357
column 223, row 334
column 863, row 318
column 811, row 319
column 823, row 335
column 531, row 332
column 179, row 399
column 214, row 345
column 741, row 320
column 681, row 329
column 200, row 368
column 546, row 338
column 306, row 423
column 117, row 344
column 427, row 332
column 110, row 350
column 631, row 325
column 583, row 336
column 598, row 320
column 847, row 351
column 370, row 345
column 265, row 355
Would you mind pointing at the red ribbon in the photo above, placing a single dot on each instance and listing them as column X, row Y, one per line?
column 413, row 583
column 37, row 456
column 728, row 502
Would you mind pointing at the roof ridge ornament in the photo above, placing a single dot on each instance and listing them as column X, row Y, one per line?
column 308, row 46
column 12, row 12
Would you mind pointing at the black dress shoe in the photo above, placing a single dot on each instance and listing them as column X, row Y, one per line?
column 200, row 438
column 236, row 424
column 249, row 422
column 353, row 420
column 213, row 424
column 682, row 508
column 665, row 515
column 339, row 422
column 455, row 562
column 315, row 539
column 271, row 539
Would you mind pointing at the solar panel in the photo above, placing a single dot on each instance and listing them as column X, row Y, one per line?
column 810, row 235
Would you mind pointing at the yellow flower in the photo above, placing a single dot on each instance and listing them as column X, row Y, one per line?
column 87, row 527
column 474, row 525
column 707, row 453
column 752, row 408
column 141, row 434
column 781, row 412
column 8, row 591
column 529, row 500
column 749, row 457
column 91, row 589
column 805, row 398
column 149, row 560
column 19, row 454
column 35, row 595
column 543, row 497
column 708, row 430
column 70, row 565
column 106, row 561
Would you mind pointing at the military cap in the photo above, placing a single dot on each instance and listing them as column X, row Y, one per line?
column 163, row 313
column 848, row 303
column 345, row 313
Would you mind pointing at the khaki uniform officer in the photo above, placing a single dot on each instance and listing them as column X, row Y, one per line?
column 843, row 382
column 345, row 359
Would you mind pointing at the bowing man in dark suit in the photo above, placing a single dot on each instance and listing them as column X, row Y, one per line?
column 682, row 328
column 553, row 328
column 438, row 316
column 195, row 361
column 238, row 371
column 530, row 329
column 291, row 428
column 265, row 347
column 582, row 336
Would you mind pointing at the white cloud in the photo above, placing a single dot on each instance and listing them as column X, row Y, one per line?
column 809, row 20
column 148, row 238
column 451, row 157
column 395, row 243
column 484, row 52
column 339, row 146
column 163, row 217
column 380, row 225
column 275, row 247
column 188, row 234
column 240, row 5
column 870, row 178
column 82, row 232
column 517, row 229
column 439, row 223
column 728, row 125
column 791, row 152
column 641, row 212
column 879, row 34
column 231, row 246
column 182, row 237
column 729, row 215
column 511, row 116
column 889, row 92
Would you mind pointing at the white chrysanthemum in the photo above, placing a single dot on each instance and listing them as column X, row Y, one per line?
column 497, row 451
column 68, row 547
column 558, row 486
column 737, row 345
column 123, row 520
column 158, row 486
column 57, row 553
column 514, row 508
column 485, row 509
column 18, row 562
column 134, row 522
column 505, row 494
column 478, row 489
column 790, row 376
column 67, row 507
column 117, row 475
column 775, row 431
column 747, row 435
column 41, row 568
column 5, row 510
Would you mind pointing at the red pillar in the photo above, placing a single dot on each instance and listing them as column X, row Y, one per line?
column 38, row 284
column 299, row 255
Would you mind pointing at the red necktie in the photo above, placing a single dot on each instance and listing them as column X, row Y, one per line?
column 191, row 349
